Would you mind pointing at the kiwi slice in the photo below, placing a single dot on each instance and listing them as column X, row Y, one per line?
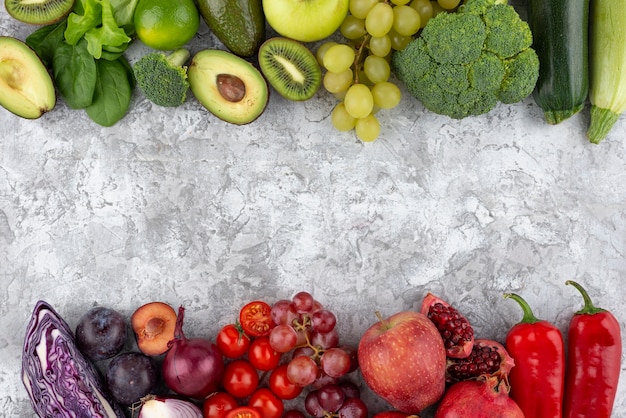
column 290, row 67
column 39, row 12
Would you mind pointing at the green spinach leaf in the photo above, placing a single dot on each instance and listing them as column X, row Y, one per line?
column 75, row 74
column 113, row 93
column 45, row 40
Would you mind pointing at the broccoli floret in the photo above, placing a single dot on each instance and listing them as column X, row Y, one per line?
column 163, row 78
column 487, row 72
column 479, row 6
column 508, row 34
column 520, row 78
column 454, row 38
column 464, row 62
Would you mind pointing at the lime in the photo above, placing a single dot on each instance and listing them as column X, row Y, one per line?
column 166, row 24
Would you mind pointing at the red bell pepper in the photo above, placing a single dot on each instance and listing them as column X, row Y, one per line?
column 594, row 361
column 537, row 380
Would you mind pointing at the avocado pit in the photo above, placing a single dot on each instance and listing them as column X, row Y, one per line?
column 231, row 87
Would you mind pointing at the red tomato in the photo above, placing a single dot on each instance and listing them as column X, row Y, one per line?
column 232, row 341
column 244, row 412
column 281, row 386
column 218, row 404
column 261, row 354
column 256, row 318
column 240, row 378
column 266, row 402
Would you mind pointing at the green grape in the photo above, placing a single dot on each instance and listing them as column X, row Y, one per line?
column 337, row 82
column 360, row 8
column 425, row 10
column 361, row 77
column 352, row 28
column 367, row 128
column 341, row 119
column 340, row 96
column 398, row 42
column 386, row 95
column 376, row 69
column 338, row 58
column 380, row 45
column 406, row 20
column 436, row 7
column 448, row 4
column 359, row 101
column 321, row 51
column 379, row 20
column 400, row 2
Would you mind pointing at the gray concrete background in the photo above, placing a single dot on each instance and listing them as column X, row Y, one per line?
column 176, row 205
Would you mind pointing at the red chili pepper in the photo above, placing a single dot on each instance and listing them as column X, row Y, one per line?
column 594, row 361
column 537, row 380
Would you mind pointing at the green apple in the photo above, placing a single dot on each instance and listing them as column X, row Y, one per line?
column 26, row 88
column 305, row 20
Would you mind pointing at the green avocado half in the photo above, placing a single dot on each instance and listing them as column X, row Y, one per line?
column 26, row 88
column 228, row 86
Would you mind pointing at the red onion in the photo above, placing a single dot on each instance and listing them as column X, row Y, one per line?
column 163, row 407
column 192, row 367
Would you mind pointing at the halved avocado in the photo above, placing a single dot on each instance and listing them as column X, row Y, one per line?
column 26, row 88
column 228, row 86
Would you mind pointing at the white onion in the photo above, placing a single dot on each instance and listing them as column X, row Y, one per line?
column 164, row 407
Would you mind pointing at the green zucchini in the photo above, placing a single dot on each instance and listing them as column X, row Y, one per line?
column 238, row 24
column 607, row 67
column 560, row 38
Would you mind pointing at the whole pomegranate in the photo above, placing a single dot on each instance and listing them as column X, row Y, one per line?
column 486, row 397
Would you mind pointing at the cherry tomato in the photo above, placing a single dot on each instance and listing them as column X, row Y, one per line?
column 232, row 341
column 218, row 404
column 244, row 412
column 266, row 402
column 261, row 354
column 281, row 386
column 240, row 378
column 256, row 318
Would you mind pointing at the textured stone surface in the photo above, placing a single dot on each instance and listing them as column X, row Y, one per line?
column 176, row 205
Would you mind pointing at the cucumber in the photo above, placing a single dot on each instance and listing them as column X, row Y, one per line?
column 238, row 24
column 560, row 38
column 607, row 82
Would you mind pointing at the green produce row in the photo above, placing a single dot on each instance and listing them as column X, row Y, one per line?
column 459, row 58
column 290, row 350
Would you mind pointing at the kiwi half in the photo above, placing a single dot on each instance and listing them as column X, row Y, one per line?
column 290, row 67
column 39, row 12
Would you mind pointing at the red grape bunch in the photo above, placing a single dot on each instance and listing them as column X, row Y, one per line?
column 307, row 330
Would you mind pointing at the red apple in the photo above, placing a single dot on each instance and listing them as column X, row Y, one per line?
column 403, row 360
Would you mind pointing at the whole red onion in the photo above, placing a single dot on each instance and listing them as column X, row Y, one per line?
column 192, row 367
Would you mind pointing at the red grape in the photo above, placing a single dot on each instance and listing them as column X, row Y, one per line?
column 302, row 371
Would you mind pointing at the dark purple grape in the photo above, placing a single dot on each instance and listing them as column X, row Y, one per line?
column 330, row 397
column 101, row 333
column 353, row 408
column 293, row 413
column 131, row 376
column 312, row 405
column 350, row 389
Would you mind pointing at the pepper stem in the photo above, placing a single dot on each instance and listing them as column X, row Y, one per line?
column 529, row 317
column 589, row 307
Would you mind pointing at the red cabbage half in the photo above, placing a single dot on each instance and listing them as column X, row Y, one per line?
column 60, row 381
